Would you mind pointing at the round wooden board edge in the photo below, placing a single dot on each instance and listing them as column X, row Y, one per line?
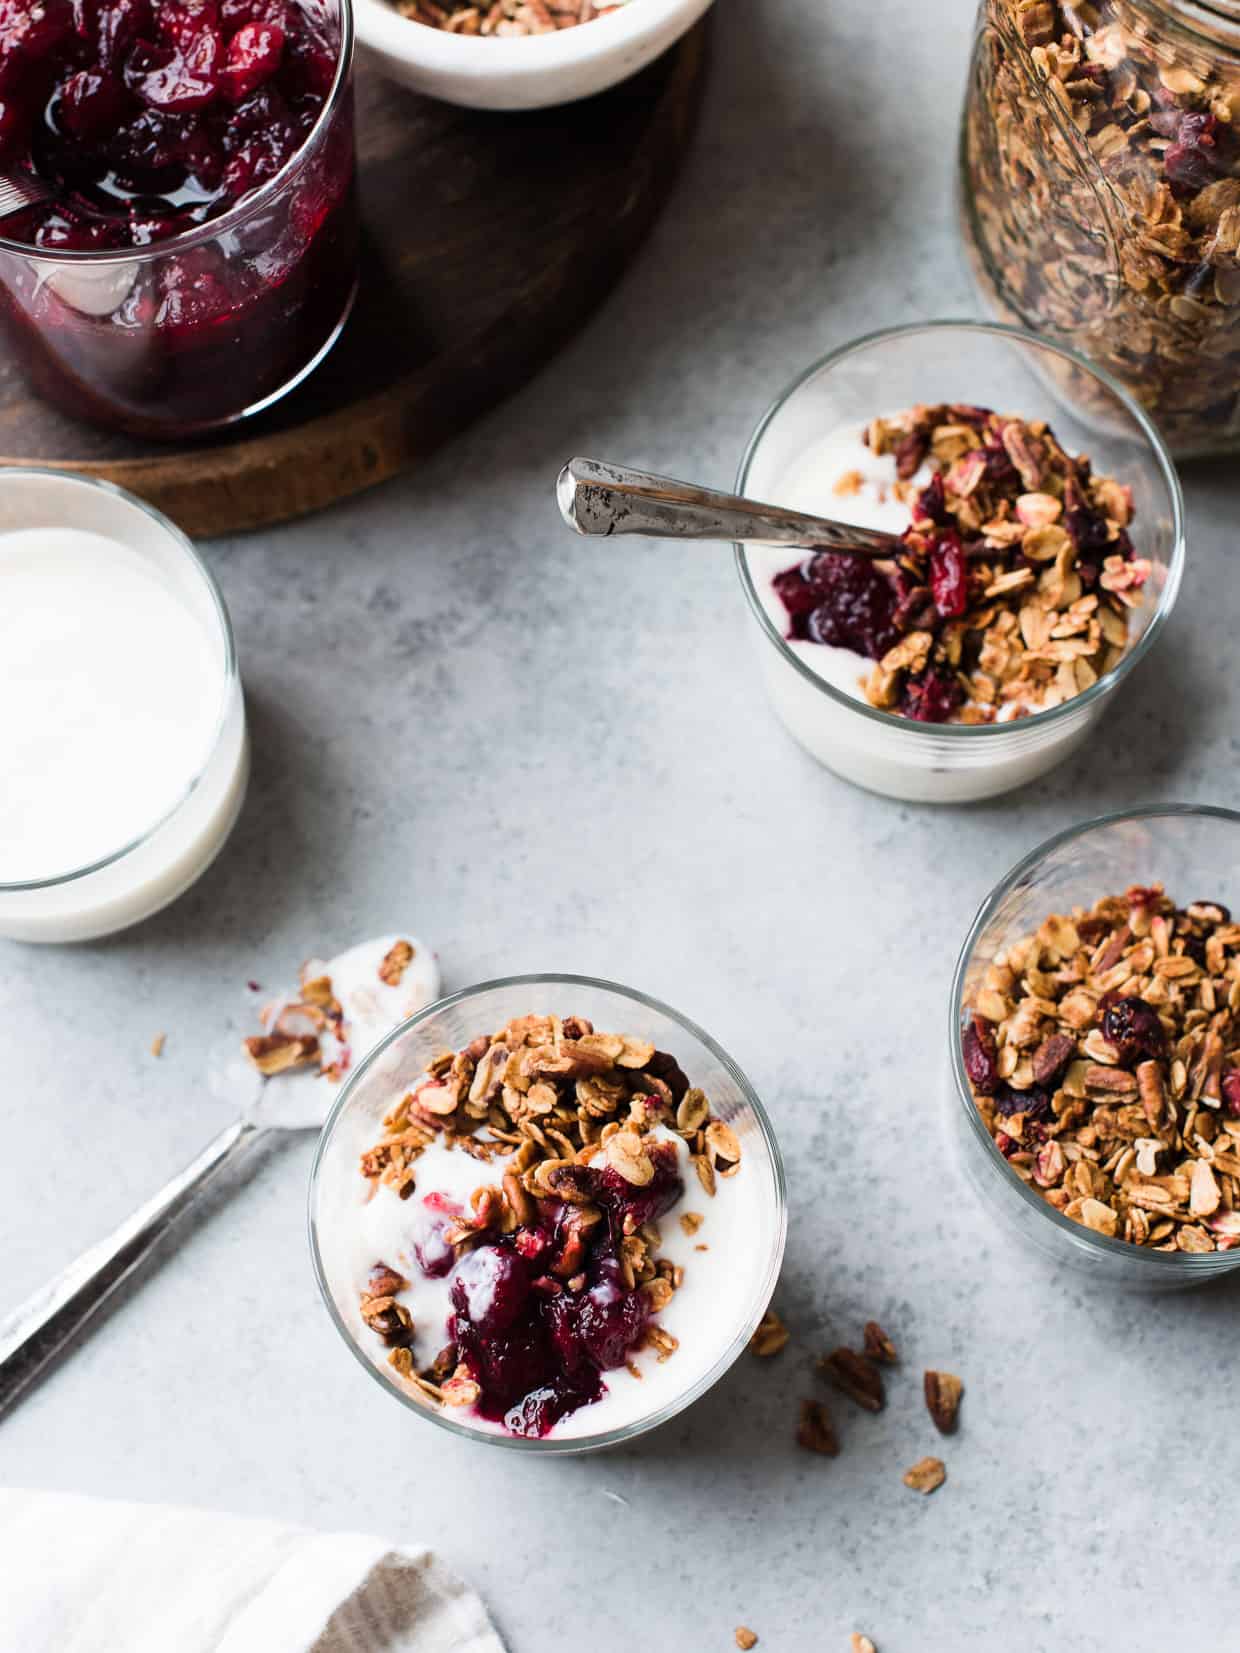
column 230, row 489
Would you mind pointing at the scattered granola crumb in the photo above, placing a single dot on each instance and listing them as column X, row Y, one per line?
column 926, row 1475
column 691, row 1221
column 850, row 483
column 157, row 1044
column 771, row 1336
column 817, row 1430
column 861, row 1644
column 878, row 1346
column 745, row 1637
column 943, row 1392
column 854, row 1376
column 701, row 1248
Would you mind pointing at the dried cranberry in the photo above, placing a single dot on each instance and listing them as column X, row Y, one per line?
column 949, row 576
column 1035, row 1103
column 434, row 1255
column 1231, row 1093
column 981, row 1058
column 798, row 597
column 932, row 502
column 1193, row 161
column 932, row 697
column 1132, row 1027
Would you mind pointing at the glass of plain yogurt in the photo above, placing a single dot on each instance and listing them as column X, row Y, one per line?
column 811, row 438
column 729, row 1247
column 121, row 714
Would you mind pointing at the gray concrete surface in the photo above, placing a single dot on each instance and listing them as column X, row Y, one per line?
column 547, row 756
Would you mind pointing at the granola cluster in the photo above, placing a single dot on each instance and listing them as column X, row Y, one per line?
column 1102, row 157
column 1104, row 1057
column 565, row 1118
column 1012, row 589
column 507, row 17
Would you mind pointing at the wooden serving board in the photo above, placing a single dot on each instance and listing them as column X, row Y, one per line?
column 487, row 241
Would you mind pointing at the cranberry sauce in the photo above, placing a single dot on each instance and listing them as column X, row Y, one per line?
column 540, row 1314
column 150, row 119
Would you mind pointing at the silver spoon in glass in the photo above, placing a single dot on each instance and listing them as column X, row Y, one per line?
column 599, row 499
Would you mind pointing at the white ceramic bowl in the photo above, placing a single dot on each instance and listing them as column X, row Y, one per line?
column 531, row 72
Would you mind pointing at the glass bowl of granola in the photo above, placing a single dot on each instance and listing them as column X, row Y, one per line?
column 1095, row 1047
column 1041, row 557
column 547, row 1213
column 519, row 54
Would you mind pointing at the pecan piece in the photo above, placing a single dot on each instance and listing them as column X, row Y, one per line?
column 396, row 961
column 1052, row 1057
column 943, row 1392
column 273, row 1053
column 770, row 1337
column 856, row 1377
column 878, row 1346
column 816, row 1432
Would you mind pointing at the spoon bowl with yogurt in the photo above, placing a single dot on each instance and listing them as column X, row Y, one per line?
column 373, row 986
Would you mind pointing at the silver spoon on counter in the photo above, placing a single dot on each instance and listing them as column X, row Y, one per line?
column 600, row 499
column 35, row 1333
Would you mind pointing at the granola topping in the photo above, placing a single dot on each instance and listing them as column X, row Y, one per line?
column 1102, row 153
column 500, row 18
column 1011, row 591
column 529, row 1198
column 1103, row 1052
column 342, row 1007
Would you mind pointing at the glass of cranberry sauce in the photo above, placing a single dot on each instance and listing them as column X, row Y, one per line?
column 198, row 256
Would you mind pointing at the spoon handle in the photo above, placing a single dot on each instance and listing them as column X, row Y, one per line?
column 600, row 499
column 41, row 1327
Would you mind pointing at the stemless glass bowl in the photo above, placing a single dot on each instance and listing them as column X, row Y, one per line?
column 1014, row 372
column 210, row 326
column 337, row 1189
column 1195, row 851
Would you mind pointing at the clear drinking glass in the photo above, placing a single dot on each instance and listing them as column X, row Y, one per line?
column 210, row 326
column 994, row 366
column 133, row 880
column 1195, row 851
column 337, row 1189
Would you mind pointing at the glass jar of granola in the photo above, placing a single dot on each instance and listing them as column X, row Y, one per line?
column 1100, row 164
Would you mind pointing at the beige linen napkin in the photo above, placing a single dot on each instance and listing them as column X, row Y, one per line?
column 81, row 1575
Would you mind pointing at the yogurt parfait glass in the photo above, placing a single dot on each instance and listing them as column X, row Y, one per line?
column 980, row 364
column 719, row 1322
column 1192, row 851
column 194, row 330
